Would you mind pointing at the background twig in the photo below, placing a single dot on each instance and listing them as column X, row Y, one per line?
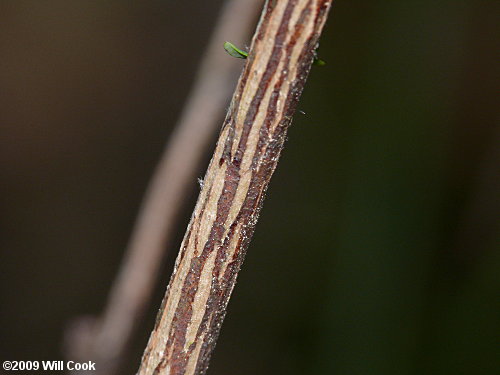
column 105, row 338
column 244, row 160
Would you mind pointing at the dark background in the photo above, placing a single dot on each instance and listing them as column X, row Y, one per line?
column 377, row 249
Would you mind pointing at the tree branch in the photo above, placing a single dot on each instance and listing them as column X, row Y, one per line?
column 244, row 160
column 104, row 339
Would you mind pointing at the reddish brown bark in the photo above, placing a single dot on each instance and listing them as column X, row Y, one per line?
column 244, row 160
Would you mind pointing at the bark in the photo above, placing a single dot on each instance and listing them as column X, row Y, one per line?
column 227, row 210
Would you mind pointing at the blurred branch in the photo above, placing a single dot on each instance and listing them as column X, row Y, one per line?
column 229, row 203
column 104, row 339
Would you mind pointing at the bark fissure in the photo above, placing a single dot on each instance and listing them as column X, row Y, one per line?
column 237, row 178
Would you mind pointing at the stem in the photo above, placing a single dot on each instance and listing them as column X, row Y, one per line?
column 105, row 338
column 244, row 160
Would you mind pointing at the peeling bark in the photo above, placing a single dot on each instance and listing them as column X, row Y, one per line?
column 227, row 210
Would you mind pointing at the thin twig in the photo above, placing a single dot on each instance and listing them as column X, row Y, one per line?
column 225, row 215
column 105, row 338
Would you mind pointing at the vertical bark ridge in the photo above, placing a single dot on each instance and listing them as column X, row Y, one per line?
column 244, row 160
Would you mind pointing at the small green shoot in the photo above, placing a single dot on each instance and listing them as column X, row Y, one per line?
column 235, row 51
column 319, row 62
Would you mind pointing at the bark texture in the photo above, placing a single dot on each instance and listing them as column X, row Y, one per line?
column 244, row 160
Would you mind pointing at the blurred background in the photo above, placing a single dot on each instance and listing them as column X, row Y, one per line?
column 377, row 248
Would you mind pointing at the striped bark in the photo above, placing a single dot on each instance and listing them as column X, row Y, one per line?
column 244, row 160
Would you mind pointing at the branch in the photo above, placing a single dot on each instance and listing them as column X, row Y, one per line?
column 104, row 339
column 244, row 160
